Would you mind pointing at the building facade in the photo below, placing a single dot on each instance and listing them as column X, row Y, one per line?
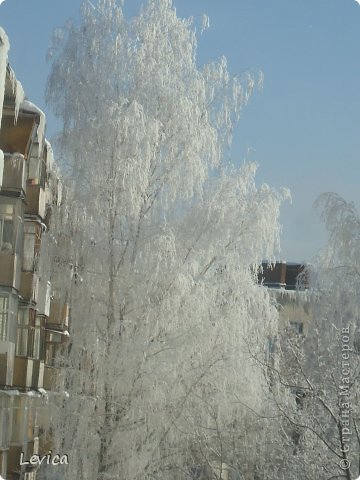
column 33, row 316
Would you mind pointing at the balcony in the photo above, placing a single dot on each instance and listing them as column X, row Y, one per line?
column 28, row 373
column 14, row 456
column 3, row 463
column 14, row 175
column 5, row 432
column 3, row 368
column 6, row 366
column 29, row 286
column 59, row 315
column 23, row 372
column 51, row 377
column 15, row 137
column 33, row 447
column 46, row 443
column 32, row 245
column 10, row 269
column 37, row 374
column 13, row 459
column 44, row 297
column 35, row 201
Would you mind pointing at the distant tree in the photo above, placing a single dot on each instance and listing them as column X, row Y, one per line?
column 315, row 384
column 162, row 233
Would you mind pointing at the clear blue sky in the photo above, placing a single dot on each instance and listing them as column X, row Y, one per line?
column 303, row 129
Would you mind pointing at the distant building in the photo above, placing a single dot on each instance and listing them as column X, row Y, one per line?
column 286, row 275
column 33, row 316
column 288, row 282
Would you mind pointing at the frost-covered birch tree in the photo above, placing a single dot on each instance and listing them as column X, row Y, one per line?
column 163, row 233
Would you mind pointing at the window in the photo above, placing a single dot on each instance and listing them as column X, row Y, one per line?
column 3, row 462
column 4, row 311
column 19, row 420
column 14, row 175
column 34, row 163
column 4, row 421
column 38, row 340
column 8, row 314
column 297, row 327
column 32, row 242
column 29, row 476
column 23, row 330
column 29, row 338
column 6, row 231
column 10, row 224
column 37, row 165
column 53, row 342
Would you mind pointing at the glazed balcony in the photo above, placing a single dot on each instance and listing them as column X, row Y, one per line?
column 28, row 373
column 46, row 443
column 32, row 245
column 35, row 201
column 3, row 368
column 59, row 315
column 16, row 137
column 51, row 377
column 23, row 372
column 10, row 269
column 44, row 297
column 14, row 175
column 29, row 286
column 37, row 375
column 13, row 459
column 5, row 431
column 11, row 238
column 30, row 348
column 6, row 366
column 3, row 462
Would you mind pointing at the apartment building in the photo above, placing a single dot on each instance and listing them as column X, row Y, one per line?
column 33, row 315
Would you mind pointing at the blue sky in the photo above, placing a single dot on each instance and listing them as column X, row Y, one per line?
column 303, row 128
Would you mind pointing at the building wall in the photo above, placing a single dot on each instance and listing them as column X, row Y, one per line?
column 32, row 325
